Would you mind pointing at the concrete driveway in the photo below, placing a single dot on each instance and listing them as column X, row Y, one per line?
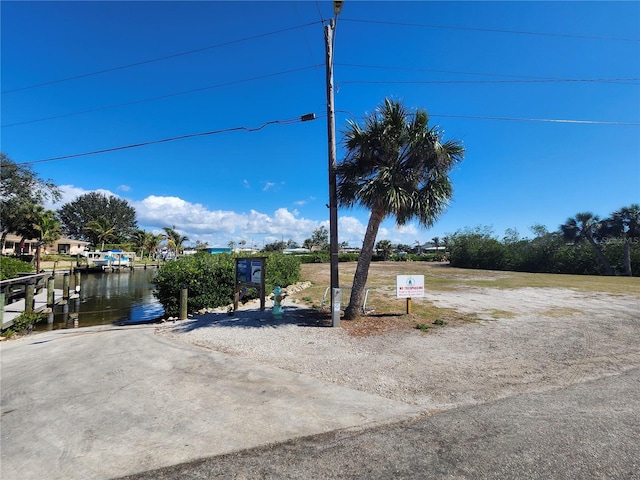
column 104, row 402
column 107, row 402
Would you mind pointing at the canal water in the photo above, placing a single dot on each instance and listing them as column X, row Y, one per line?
column 124, row 297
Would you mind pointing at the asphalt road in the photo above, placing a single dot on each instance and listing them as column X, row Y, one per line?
column 107, row 403
column 586, row 431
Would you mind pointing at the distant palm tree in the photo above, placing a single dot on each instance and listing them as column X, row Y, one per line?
column 175, row 240
column 626, row 223
column 385, row 248
column 102, row 230
column 153, row 243
column 50, row 230
column 396, row 165
column 585, row 226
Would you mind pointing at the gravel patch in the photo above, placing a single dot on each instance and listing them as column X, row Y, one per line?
column 526, row 340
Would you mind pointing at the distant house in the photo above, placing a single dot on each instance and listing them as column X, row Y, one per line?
column 296, row 251
column 216, row 250
column 14, row 245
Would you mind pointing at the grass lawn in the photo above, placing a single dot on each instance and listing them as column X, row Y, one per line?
column 441, row 277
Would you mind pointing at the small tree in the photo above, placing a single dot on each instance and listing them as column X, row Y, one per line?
column 586, row 226
column 20, row 191
column 625, row 223
column 101, row 231
column 396, row 165
column 385, row 249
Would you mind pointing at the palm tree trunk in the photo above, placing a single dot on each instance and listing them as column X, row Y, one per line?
column 38, row 250
column 608, row 270
column 364, row 260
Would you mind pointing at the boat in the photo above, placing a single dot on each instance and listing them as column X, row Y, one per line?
column 110, row 258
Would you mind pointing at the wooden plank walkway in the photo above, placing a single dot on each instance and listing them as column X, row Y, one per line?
column 14, row 309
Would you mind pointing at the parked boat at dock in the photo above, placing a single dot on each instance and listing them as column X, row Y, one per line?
column 110, row 259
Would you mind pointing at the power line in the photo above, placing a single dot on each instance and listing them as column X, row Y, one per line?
column 480, row 82
column 547, row 120
column 457, row 72
column 158, row 59
column 492, row 30
column 520, row 119
column 169, row 95
column 290, row 121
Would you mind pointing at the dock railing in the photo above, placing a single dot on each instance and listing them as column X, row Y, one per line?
column 23, row 290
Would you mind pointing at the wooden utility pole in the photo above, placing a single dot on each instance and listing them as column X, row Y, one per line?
column 333, row 200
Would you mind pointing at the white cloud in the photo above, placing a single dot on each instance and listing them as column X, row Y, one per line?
column 218, row 227
column 124, row 188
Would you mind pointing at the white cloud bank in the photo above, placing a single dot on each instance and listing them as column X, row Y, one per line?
column 219, row 227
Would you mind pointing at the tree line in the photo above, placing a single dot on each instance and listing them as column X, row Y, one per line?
column 585, row 244
column 93, row 217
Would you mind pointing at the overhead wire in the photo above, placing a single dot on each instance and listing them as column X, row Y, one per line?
column 483, row 74
column 158, row 59
column 171, row 139
column 623, row 81
column 161, row 97
column 518, row 119
column 491, row 30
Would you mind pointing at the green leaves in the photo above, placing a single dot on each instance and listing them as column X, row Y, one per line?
column 398, row 163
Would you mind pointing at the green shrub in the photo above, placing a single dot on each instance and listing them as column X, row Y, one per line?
column 23, row 323
column 282, row 270
column 210, row 280
column 10, row 267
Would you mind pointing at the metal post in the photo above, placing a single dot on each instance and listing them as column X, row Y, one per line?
column 335, row 313
column 333, row 200
column 183, row 303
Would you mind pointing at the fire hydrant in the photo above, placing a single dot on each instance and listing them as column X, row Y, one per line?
column 277, row 303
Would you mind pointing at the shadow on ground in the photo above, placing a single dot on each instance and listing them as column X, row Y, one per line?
column 254, row 318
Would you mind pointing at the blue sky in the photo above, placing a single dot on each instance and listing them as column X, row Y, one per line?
column 477, row 67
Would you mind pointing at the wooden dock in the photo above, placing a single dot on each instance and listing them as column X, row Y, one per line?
column 37, row 289
column 11, row 311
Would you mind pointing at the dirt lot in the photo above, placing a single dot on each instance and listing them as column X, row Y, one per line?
column 500, row 340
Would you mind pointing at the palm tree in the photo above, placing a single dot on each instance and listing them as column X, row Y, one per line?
column 102, row 230
column 626, row 223
column 385, row 249
column 49, row 230
column 174, row 239
column 585, row 226
column 395, row 165
column 153, row 243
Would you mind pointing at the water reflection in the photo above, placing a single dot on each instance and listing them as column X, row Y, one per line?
column 124, row 297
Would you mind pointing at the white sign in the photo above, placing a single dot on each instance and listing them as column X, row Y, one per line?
column 409, row 286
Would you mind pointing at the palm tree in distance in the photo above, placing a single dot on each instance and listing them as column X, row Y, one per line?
column 175, row 240
column 625, row 223
column 101, row 230
column 585, row 226
column 395, row 165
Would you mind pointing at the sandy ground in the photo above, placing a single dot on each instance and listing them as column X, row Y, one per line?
column 526, row 340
